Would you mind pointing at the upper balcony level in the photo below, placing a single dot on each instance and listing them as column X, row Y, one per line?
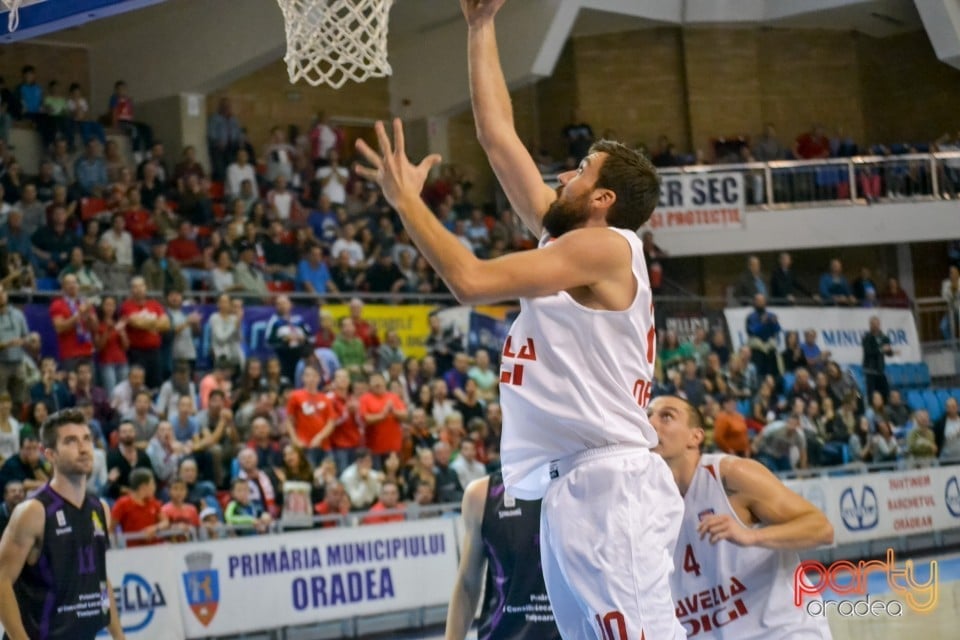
column 863, row 200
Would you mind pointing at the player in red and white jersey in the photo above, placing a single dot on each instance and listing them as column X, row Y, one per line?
column 735, row 560
column 578, row 365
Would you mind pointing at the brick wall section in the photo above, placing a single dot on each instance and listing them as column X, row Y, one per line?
column 908, row 94
column 266, row 98
column 723, row 83
column 556, row 97
column 633, row 84
column 810, row 76
column 66, row 65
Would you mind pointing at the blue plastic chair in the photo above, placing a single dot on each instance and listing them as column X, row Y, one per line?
column 932, row 404
column 924, row 374
column 48, row 284
column 895, row 376
column 788, row 380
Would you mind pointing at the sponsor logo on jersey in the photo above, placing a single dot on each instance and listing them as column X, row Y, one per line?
column 98, row 529
column 61, row 519
column 512, row 513
column 951, row 496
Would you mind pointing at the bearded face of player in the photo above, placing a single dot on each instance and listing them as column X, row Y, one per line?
column 73, row 455
column 566, row 215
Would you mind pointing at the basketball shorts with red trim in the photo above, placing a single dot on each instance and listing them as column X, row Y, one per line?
column 608, row 528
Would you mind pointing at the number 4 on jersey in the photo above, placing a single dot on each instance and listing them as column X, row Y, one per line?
column 690, row 564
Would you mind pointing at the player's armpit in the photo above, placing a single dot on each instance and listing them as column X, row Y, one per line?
column 790, row 521
column 584, row 257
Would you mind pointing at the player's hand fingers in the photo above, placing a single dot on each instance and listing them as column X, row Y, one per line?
column 398, row 137
column 366, row 172
column 368, row 153
column 430, row 162
column 385, row 148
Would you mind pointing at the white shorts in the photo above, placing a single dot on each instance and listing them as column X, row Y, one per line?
column 608, row 528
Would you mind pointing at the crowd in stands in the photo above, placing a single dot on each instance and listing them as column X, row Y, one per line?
column 888, row 178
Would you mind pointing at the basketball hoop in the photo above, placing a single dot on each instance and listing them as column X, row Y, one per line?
column 332, row 41
column 13, row 20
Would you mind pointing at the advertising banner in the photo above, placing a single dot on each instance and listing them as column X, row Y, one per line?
column 262, row 582
column 410, row 321
column 699, row 202
column 839, row 331
column 874, row 506
column 145, row 587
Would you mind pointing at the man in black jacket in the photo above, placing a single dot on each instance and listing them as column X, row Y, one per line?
column 784, row 286
column 876, row 346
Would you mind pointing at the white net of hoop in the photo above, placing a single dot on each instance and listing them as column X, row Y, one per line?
column 332, row 41
column 13, row 19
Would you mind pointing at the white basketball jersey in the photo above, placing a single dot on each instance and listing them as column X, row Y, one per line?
column 725, row 591
column 574, row 378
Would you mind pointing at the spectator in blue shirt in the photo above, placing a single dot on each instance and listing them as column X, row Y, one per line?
column 323, row 220
column 31, row 93
column 15, row 237
column 185, row 424
column 834, row 288
column 763, row 329
column 91, row 170
column 313, row 276
column 816, row 358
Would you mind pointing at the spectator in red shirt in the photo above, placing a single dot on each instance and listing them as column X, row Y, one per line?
column 365, row 331
column 185, row 250
column 121, row 109
column 310, row 416
column 812, row 145
column 382, row 412
column 111, row 345
column 137, row 219
column 75, row 321
column 180, row 513
column 139, row 511
column 146, row 320
column 335, row 502
column 346, row 437
column 389, row 501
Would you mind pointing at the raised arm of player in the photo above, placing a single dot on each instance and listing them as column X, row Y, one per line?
column 21, row 536
column 790, row 522
column 466, row 590
column 493, row 114
column 592, row 257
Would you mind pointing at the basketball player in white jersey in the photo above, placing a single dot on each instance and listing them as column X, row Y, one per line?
column 577, row 366
column 737, row 553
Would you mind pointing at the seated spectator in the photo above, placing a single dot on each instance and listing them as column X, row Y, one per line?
column 816, row 359
column 262, row 493
column 9, row 428
column 160, row 272
column 17, row 240
column 243, row 511
column 13, row 494
column 200, row 493
column 894, row 296
column 90, row 170
column 812, row 145
column 834, row 288
column 864, row 288
column 142, row 418
column 34, row 211
column 188, row 165
column 165, row 452
column 247, row 276
column 389, row 501
column 120, row 240
column 672, row 353
column 79, row 111
column 335, row 503
column 88, row 281
column 921, row 440
column 49, row 390
column 195, row 204
column 448, row 484
column 313, row 275
column 284, row 203
column 947, row 432
column 691, row 385
column 237, row 172
column 27, row 467
column 793, row 356
column 361, row 481
column 349, row 348
column 897, row 411
column 139, row 512
column 861, row 443
column 124, row 393
column 333, row 178
column 730, row 430
column 85, row 389
column 179, row 385
column 781, row 446
column 269, row 454
column 466, row 466
column 884, row 444
column 802, row 387
column 121, row 110
column 186, row 252
column 181, row 514
column 751, row 282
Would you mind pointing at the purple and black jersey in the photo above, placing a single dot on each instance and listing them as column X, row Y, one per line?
column 64, row 595
column 515, row 603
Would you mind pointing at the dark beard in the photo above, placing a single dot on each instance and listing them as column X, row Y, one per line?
column 564, row 216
